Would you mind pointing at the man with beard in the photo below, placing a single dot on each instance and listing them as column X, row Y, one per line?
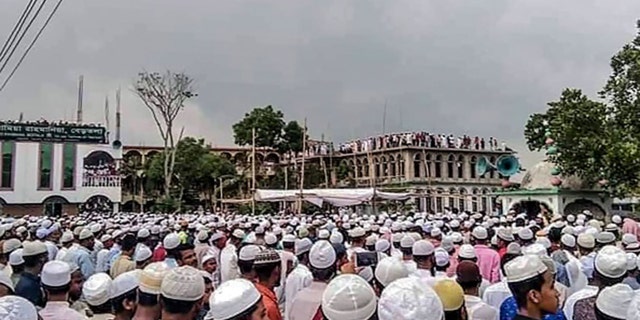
column 267, row 267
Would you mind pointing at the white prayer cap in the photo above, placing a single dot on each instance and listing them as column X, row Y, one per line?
column 143, row 253
column 407, row 299
column 467, row 251
column 324, row 234
column 231, row 299
column 523, row 268
column 85, row 234
column 514, row 248
column 447, row 244
column 143, row 233
column 17, row 308
column 568, row 240
column 390, row 269
column 614, row 301
column 6, row 281
column 96, row 289
column 382, row 245
column 288, row 238
column 435, row 232
column 348, row 297
column 55, row 274
column 605, row 237
column 457, row 237
column 629, row 238
column 124, row 283
column 171, row 241
column 616, row 219
column 454, row 224
column 270, row 238
column 238, row 233
column 586, row 240
column 151, row 277
column 33, row 248
column 202, row 235
column 441, row 257
column 534, row 249
column 356, row 232
column 632, row 260
column 525, row 234
column 183, row 283
column 248, row 252
column 480, row 233
column 155, row 230
column 303, row 245
column 322, row 255
column 105, row 238
column 10, row 245
column 216, row 236
column 260, row 230
column 407, row 241
column 544, row 241
column 611, row 262
column 371, row 240
column 633, row 311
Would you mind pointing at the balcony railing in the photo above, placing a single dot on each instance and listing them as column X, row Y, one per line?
column 101, row 181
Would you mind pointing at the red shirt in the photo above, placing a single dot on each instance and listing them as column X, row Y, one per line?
column 270, row 302
column 159, row 254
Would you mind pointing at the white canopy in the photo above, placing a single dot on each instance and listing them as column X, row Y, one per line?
column 336, row 197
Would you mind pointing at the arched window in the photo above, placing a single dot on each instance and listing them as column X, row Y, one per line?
column 427, row 165
column 474, row 200
column 358, row 168
column 492, row 173
column 365, row 167
column 438, row 168
column 392, row 166
column 460, row 166
column 450, row 165
column 401, row 167
column 376, row 168
column 462, row 201
column 417, row 164
column 383, row 162
column 472, row 167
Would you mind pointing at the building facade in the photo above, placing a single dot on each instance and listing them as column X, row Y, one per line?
column 54, row 173
column 440, row 178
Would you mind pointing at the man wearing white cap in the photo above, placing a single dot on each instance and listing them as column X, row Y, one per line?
column 348, row 297
column 229, row 257
column 267, row 266
column 124, row 262
column 96, row 293
column 181, row 293
column 322, row 264
column 123, row 294
column 17, row 308
column 532, row 286
column 56, row 279
column 35, row 255
column 488, row 259
column 236, row 300
column 149, row 291
column 300, row 277
column 82, row 255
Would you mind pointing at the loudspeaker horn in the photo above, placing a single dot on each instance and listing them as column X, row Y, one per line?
column 508, row 165
column 483, row 166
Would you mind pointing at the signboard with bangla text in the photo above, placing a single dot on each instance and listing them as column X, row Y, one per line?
column 42, row 132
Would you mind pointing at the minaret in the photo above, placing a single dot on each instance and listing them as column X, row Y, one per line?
column 80, row 93
column 118, row 115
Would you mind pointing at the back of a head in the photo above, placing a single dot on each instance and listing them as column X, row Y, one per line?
column 348, row 297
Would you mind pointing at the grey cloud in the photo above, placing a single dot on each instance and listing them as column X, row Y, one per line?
column 476, row 67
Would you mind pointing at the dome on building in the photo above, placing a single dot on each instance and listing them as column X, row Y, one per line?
column 539, row 177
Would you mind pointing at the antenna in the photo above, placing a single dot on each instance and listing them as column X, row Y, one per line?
column 80, row 93
column 118, row 115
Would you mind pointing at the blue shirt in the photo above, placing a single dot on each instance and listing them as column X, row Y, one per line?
column 509, row 310
column 28, row 287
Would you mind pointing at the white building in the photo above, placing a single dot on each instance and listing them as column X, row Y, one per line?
column 56, row 178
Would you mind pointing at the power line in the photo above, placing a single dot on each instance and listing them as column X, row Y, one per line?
column 17, row 27
column 24, row 32
column 4, row 84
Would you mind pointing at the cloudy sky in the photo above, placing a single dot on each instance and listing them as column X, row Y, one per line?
column 474, row 67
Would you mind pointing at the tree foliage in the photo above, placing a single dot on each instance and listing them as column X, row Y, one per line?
column 598, row 141
column 271, row 130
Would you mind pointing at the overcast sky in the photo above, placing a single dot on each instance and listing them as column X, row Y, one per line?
column 474, row 67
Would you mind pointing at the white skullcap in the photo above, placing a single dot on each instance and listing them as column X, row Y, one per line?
column 238, row 233
column 183, row 283
column 514, row 248
column 480, row 233
column 231, row 299
column 371, row 240
column 260, row 230
column 447, row 244
column 270, row 238
column 216, row 236
column 143, row 233
column 248, row 252
column 605, row 237
column 322, row 255
column 143, row 253
column 523, row 268
column 324, row 234
column 96, row 289
column 632, row 261
column 382, row 245
column 356, row 232
column 390, row 269
column 289, row 238
column 525, row 234
column 467, row 251
column 151, row 277
column 611, row 262
column 55, row 274
column 124, row 283
column 407, row 299
column 616, row 219
column 544, row 241
column 303, row 245
column 105, row 238
column 629, row 238
column 10, row 245
column 33, row 248
column 202, row 235
column 85, row 234
column 535, row 249
column 614, row 301
column 633, row 311
column 568, row 240
column 348, row 297
column 435, row 232
column 15, row 258
column 586, row 240
column 422, row 248
column 6, row 281
column 407, row 241
column 17, row 308
column 441, row 257
column 171, row 241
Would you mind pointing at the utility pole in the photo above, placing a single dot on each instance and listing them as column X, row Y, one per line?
column 304, row 148
column 253, row 171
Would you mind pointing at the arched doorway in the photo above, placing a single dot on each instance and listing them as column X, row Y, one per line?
column 532, row 208
column 580, row 205
column 54, row 205
column 97, row 203
column 100, row 170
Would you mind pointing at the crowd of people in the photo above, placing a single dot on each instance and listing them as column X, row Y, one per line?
column 101, row 175
column 421, row 139
column 334, row 266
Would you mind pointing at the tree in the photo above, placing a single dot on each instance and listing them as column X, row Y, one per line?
column 291, row 140
column 271, row 130
column 165, row 95
column 598, row 141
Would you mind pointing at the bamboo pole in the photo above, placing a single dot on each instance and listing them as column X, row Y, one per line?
column 304, row 148
column 253, row 171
